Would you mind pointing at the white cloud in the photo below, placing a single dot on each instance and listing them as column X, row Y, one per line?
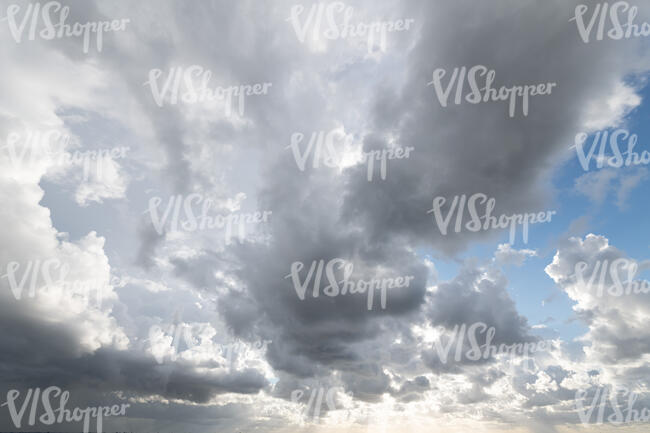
column 608, row 110
column 506, row 255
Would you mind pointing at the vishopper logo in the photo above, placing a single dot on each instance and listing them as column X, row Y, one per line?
column 26, row 149
column 621, row 273
column 616, row 139
column 190, row 85
column 485, row 351
column 185, row 205
column 484, row 92
column 620, row 399
column 334, row 151
column 338, row 273
column 53, row 16
column 612, row 17
column 322, row 401
column 490, row 222
column 49, row 277
column 319, row 398
column 170, row 340
column 59, row 414
column 338, row 24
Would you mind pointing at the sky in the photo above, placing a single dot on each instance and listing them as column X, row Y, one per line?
column 273, row 216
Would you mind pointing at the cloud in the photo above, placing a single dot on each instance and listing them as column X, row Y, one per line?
column 600, row 185
column 612, row 108
column 612, row 315
column 506, row 255
column 381, row 358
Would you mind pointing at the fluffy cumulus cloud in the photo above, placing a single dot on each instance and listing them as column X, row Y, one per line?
column 609, row 296
column 270, row 258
